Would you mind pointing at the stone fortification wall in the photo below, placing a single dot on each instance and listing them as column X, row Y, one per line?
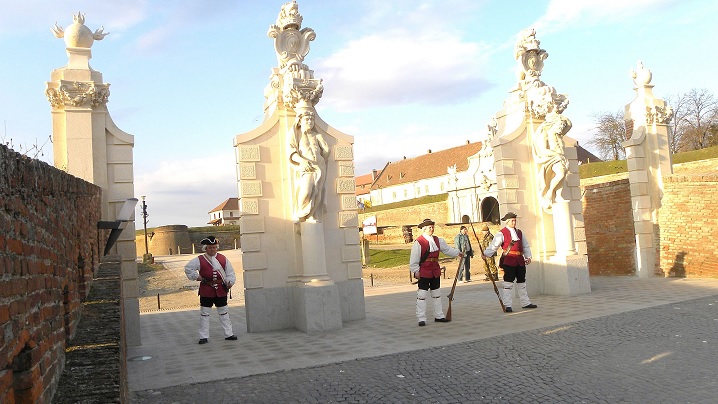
column 48, row 251
column 410, row 216
column 95, row 371
column 608, row 219
column 179, row 239
column 688, row 221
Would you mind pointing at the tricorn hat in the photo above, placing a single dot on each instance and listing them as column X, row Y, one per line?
column 509, row 215
column 209, row 240
column 426, row 222
column 485, row 227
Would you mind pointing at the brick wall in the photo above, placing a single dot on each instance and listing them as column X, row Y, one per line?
column 48, row 249
column 689, row 225
column 608, row 219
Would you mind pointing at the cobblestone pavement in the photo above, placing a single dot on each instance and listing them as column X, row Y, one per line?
column 660, row 354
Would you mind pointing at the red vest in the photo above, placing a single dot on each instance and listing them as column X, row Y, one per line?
column 207, row 272
column 512, row 259
column 430, row 267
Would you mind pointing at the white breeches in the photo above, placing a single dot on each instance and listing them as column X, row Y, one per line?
column 223, row 312
column 508, row 294
column 421, row 296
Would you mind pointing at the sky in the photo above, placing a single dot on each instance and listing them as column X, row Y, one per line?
column 400, row 76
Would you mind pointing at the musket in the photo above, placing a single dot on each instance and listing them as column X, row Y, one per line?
column 486, row 267
column 453, row 288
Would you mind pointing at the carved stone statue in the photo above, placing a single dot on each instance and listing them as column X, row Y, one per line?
column 309, row 156
column 549, row 155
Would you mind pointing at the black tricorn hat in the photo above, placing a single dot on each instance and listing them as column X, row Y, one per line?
column 209, row 240
column 509, row 215
column 426, row 222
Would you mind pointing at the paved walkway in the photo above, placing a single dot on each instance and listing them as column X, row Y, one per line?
column 629, row 340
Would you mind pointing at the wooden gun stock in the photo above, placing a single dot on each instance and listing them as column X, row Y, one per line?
column 453, row 288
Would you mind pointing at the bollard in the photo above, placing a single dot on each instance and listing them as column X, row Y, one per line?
column 372, row 279
column 158, row 301
column 179, row 250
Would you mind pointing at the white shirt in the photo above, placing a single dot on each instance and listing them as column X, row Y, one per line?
column 192, row 269
column 416, row 251
column 499, row 241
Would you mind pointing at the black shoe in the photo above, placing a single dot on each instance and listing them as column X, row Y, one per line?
column 508, row 310
column 203, row 341
column 422, row 323
column 441, row 320
column 232, row 338
column 530, row 306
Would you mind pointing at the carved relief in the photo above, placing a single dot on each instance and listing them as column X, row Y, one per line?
column 309, row 157
column 291, row 43
column 250, row 189
column 658, row 114
column 346, row 170
column 343, row 153
column 247, row 171
column 249, row 206
column 349, row 202
column 346, row 186
column 549, row 155
column 78, row 94
column 248, row 153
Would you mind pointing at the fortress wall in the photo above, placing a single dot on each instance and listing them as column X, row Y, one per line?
column 49, row 248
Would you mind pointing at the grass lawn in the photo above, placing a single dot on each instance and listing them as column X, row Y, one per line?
column 391, row 258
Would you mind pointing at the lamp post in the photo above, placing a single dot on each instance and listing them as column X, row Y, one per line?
column 147, row 258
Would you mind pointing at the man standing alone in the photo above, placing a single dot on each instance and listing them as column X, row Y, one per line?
column 516, row 255
column 216, row 276
column 462, row 243
column 424, row 264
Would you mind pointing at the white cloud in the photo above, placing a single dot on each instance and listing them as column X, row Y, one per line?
column 400, row 67
column 561, row 14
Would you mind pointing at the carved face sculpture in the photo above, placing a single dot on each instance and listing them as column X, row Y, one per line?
column 307, row 122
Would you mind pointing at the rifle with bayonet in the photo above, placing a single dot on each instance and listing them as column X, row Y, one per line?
column 488, row 273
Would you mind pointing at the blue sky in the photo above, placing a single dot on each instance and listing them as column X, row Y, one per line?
column 401, row 76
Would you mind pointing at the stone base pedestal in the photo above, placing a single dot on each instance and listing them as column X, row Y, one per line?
column 566, row 276
column 351, row 295
column 311, row 308
column 317, row 307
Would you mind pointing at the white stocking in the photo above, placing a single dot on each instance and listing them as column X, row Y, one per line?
column 523, row 295
column 508, row 294
column 224, row 320
column 204, row 313
column 421, row 296
column 438, row 310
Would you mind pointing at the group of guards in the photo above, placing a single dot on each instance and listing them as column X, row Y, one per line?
column 216, row 275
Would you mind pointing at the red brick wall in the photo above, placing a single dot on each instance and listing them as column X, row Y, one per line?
column 689, row 226
column 48, row 249
column 608, row 218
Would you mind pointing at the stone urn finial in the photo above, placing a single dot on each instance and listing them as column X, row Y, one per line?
column 77, row 34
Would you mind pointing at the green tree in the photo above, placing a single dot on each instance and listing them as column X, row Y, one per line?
column 610, row 133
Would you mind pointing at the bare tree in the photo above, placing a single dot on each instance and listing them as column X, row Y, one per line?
column 697, row 124
column 675, row 130
column 610, row 133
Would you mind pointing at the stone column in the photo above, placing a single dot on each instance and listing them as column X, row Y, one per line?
column 649, row 159
column 88, row 145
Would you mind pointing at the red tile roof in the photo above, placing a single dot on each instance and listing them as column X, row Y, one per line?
column 429, row 165
column 229, row 204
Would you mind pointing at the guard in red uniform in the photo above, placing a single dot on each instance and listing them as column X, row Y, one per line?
column 216, row 276
column 424, row 264
column 516, row 255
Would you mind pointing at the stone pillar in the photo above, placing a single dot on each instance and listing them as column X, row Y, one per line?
column 299, row 220
column 88, row 145
column 649, row 159
column 537, row 176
